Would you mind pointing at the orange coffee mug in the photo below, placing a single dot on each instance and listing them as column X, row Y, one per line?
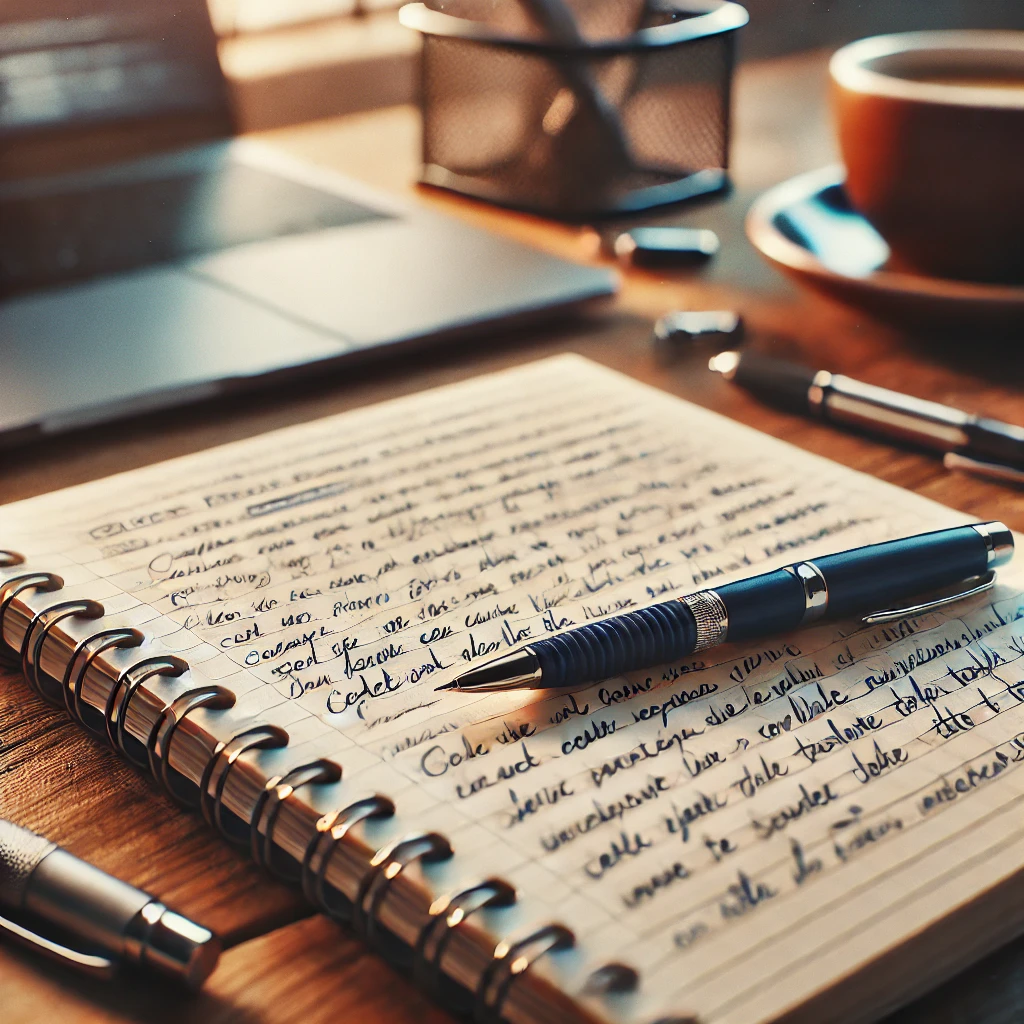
column 931, row 129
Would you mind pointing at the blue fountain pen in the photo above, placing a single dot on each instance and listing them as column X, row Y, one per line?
column 839, row 585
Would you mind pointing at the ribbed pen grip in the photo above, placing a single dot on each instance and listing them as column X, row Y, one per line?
column 601, row 650
column 20, row 853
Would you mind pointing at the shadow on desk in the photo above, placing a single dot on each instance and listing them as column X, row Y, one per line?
column 990, row 992
column 33, row 991
column 309, row 972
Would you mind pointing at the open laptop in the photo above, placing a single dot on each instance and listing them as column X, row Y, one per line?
column 143, row 265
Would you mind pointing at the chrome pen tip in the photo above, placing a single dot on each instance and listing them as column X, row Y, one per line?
column 516, row 671
column 447, row 686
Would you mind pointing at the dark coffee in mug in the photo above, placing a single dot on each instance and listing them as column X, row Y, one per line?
column 971, row 80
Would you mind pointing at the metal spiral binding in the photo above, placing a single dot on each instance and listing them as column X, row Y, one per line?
column 321, row 772
column 331, row 829
column 215, row 697
column 124, row 689
column 49, row 617
column 122, row 638
column 511, row 960
column 446, row 914
column 215, row 775
column 385, row 866
column 10, row 588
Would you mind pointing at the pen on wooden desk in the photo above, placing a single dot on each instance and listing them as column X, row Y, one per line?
column 108, row 921
column 836, row 585
column 975, row 444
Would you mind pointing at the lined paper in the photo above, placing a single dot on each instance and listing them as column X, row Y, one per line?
column 736, row 822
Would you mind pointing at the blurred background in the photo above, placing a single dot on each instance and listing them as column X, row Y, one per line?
column 292, row 61
column 777, row 26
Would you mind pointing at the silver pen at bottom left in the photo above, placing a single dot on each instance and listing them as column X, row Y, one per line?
column 77, row 914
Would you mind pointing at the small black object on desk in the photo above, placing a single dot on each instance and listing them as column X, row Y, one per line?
column 666, row 246
column 676, row 331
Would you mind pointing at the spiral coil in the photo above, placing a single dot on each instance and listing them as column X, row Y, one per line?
column 363, row 912
column 322, row 772
column 511, row 960
column 31, row 649
column 215, row 775
column 9, row 590
column 331, row 830
column 446, row 914
column 216, row 698
column 385, row 866
column 85, row 653
column 115, row 714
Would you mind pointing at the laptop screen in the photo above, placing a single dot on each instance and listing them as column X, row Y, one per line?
column 82, row 63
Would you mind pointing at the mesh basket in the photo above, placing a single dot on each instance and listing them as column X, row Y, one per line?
column 632, row 113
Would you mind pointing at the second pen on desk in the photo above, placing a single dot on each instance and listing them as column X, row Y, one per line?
column 837, row 585
column 976, row 444
column 85, row 919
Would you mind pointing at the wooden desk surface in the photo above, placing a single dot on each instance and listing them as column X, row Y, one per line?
column 285, row 965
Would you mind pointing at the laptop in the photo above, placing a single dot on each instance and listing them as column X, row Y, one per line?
column 149, row 259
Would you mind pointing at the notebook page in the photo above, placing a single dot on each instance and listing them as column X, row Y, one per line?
column 343, row 569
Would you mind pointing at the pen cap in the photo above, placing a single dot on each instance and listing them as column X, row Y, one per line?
column 172, row 944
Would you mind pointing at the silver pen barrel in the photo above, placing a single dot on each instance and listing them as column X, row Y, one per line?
column 845, row 400
column 107, row 916
column 985, row 444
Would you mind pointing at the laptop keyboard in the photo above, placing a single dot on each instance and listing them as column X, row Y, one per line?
column 107, row 228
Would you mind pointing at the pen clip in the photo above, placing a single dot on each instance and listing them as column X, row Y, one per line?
column 966, row 588
column 989, row 470
column 86, row 963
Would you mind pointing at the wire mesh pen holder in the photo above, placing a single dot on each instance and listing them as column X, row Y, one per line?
column 577, row 130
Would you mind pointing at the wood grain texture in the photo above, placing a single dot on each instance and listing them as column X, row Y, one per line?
column 54, row 779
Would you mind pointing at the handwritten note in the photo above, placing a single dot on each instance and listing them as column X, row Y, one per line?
column 342, row 570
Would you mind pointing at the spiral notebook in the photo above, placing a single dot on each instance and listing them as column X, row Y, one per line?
column 817, row 827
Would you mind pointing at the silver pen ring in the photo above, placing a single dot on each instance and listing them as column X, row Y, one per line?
column 815, row 590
